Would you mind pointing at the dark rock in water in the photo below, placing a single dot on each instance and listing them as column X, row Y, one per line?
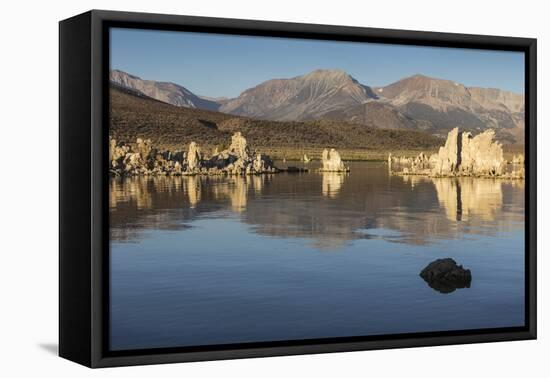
column 445, row 276
column 296, row 170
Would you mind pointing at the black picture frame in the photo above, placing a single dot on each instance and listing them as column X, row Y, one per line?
column 83, row 195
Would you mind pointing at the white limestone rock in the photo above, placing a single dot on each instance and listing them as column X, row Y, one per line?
column 193, row 157
column 332, row 162
column 448, row 157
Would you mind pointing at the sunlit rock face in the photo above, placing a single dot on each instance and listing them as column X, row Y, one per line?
column 448, row 157
column 262, row 163
column 144, row 148
column 462, row 155
column 239, row 146
column 193, row 157
column 143, row 159
column 238, row 159
column 518, row 165
column 518, row 159
column 124, row 158
column 332, row 162
column 116, row 152
column 481, row 155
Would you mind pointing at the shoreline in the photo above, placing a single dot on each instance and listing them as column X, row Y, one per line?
column 315, row 153
column 145, row 158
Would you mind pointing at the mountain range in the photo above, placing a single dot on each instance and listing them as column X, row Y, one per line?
column 134, row 115
column 163, row 91
column 301, row 98
column 415, row 103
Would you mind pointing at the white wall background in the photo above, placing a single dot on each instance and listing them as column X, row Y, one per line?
column 29, row 188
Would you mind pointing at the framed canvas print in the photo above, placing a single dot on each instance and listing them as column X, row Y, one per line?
column 233, row 188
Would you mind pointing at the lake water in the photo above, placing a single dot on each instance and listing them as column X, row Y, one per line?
column 217, row 260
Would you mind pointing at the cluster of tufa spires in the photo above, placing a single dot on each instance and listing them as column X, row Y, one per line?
column 143, row 159
column 462, row 155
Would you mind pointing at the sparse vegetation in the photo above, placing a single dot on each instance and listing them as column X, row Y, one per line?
column 171, row 127
column 297, row 154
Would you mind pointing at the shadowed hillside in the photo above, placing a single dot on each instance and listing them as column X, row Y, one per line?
column 173, row 127
column 418, row 102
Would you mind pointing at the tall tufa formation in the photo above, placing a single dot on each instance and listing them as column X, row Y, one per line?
column 239, row 146
column 481, row 155
column 238, row 159
column 332, row 162
column 462, row 155
column 448, row 157
column 193, row 157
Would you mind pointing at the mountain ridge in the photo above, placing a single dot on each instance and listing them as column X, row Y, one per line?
column 302, row 97
column 446, row 104
column 168, row 92
column 172, row 127
column 416, row 102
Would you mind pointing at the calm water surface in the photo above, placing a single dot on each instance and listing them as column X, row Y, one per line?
column 216, row 260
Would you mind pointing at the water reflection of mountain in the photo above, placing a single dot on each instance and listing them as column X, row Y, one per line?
column 331, row 209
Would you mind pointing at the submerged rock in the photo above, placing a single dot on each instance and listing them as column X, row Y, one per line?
column 332, row 162
column 445, row 275
column 292, row 169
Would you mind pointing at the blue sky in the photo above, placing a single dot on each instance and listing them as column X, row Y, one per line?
column 220, row 65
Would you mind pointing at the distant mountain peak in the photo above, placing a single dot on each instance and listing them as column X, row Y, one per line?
column 445, row 104
column 422, row 87
column 326, row 72
column 424, row 79
column 170, row 93
column 333, row 75
column 120, row 72
column 336, row 71
column 428, row 77
column 419, row 76
column 302, row 97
